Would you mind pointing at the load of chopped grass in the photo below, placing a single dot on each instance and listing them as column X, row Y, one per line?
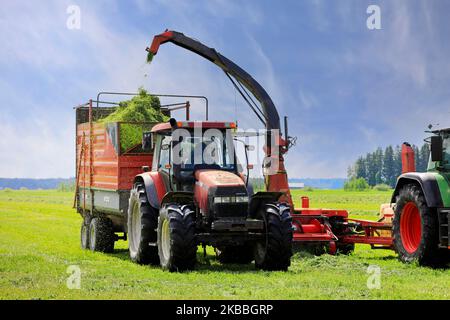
column 142, row 108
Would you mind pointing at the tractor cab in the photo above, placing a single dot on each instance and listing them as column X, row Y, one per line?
column 184, row 149
column 440, row 150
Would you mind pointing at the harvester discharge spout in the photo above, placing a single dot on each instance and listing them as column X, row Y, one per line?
column 275, row 173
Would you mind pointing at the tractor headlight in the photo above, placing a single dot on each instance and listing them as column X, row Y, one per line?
column 226, row 199
column 231, row 199
column 241, row 199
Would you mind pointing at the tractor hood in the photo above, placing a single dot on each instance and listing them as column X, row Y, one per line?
column 220, row 194
column 217, row 178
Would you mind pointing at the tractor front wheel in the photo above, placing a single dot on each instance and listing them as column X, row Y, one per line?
column 275, row 250
column 141, row 225
column 415, row 227
column 177, row 245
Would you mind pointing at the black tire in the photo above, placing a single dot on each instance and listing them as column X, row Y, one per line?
column 425, row 248
column 310, row 248
column 345, row 248
column 177, row 245
column 340, row 229
column 142, row 221
column 242, row 254
column 275, row 251
column 84, row 234
column 101, row 235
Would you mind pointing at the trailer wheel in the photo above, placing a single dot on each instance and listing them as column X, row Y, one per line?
column 141, row 226
column 415, row 228
column 84, row 234
column 101, row 235
column 275, row 251
column 242, row 254
column 177, row 245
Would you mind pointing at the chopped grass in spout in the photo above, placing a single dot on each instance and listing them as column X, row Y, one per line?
column 150, row 57
column 141, row 108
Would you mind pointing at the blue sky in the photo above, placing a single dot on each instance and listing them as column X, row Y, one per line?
column 345, row 88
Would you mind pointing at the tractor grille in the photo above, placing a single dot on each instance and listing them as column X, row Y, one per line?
column 229, row 210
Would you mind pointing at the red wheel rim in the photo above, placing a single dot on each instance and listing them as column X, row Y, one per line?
column 411, row 227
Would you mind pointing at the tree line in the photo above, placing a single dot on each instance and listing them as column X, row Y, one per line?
column 384, row 166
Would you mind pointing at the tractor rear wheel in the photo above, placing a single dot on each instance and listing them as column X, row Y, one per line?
column 275, row 250
column 415, row 228
column 142, row 222
column 101, row 235
column 177, row 245
column 242, row 254
column 84, row 234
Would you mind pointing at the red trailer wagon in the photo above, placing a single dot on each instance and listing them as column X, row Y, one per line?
column 108, row 157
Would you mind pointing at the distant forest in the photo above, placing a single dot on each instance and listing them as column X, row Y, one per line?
column 383, row 167
column 18, row 183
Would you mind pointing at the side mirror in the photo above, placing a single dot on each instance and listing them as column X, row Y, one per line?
column 436, row 148
column 147, row 141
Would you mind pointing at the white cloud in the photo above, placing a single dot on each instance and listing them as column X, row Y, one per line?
column 307, row 100
column 246, row 10
column 265, row 74
column 406, row 63
column 33, row 149
column 117, row 62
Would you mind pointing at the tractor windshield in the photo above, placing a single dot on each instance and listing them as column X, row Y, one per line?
column 446, row 146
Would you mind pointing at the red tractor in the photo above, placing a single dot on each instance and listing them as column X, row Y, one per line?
column 195, row 192
column 184, row 202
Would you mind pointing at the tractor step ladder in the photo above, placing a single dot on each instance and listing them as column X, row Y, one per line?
column 444, row 231
column 77, row 189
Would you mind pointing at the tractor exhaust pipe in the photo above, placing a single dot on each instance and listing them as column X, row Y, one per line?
column 173, row 123
column 408, row 159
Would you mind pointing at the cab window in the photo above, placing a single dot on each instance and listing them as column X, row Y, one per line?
column 446, row 147
column 164, row 153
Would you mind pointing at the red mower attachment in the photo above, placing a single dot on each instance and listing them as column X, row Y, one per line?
column 334, row 230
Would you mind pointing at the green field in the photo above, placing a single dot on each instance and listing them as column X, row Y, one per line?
column 39, row 240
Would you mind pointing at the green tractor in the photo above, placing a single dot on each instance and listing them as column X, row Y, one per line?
column 422, row 206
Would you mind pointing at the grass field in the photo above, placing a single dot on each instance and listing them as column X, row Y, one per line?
column 39, row 240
